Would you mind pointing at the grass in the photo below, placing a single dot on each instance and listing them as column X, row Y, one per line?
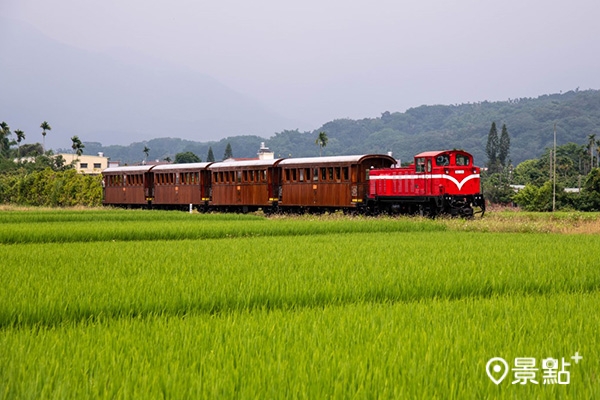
column 241, row 306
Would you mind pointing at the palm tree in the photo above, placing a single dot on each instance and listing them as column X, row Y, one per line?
column 321, row 141
column 146, row 152
column 598, row 151
column 45, row 127
column 4, row 132
column 77, row 146
column 20, row 136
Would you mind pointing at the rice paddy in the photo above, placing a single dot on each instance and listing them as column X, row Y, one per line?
column 138, row 304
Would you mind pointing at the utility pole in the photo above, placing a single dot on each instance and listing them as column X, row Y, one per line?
column 554, row 173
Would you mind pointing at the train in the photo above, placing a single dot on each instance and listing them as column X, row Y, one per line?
column 436, row 182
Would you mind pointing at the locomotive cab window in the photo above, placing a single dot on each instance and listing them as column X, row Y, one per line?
column 420, row 164
column 442, row 160
column 462, row 160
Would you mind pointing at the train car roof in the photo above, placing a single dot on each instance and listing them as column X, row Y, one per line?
column 246, row 163
column 334, row 159
column 128, row 168
column 435, row 153
column 163, row 167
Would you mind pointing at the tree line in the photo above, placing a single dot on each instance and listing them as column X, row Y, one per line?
column 531, row 184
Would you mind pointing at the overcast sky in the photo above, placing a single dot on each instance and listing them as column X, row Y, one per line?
column 317, row 60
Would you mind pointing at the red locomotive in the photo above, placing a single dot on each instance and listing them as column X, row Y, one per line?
column 437, row 182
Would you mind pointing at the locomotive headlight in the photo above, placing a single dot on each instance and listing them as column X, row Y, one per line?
column 474, row 170
column 446, row 171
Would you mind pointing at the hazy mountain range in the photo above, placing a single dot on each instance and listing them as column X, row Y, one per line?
column 116, row 99
column 122, row 102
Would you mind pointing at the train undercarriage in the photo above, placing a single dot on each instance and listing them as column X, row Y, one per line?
column 455, row 206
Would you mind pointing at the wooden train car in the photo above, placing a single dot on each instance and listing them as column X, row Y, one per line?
column 244, row 185
column 127, row 186
column 437, row 182
column 179, row 185
column 326, row 183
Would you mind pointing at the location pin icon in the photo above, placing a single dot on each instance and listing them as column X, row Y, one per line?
column 497, row 369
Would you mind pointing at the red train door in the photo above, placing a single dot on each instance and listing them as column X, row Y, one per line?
column 420, row 178
column 428, row 178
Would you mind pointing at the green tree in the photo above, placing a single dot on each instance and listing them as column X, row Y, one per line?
column 45, row 127
column 32, row 150
column 146, row 152
column 20, row 136
column 591, row 143
column 491, row 149
column 77, row 146
column 321, row 141
column 533, row 198
column 186, row 158
column 210, row 157
column 590, row 194
column 503, row 146
column 4, row 142
column 228, row 152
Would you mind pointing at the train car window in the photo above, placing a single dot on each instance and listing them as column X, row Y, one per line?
column 287, row 175
column 345, row 173
column 316, row 174
column 301, row 175
column 245, row 176
column 307, row 174
column 420, row 164
column 323, row 174
column 336, row 170
column 239, row 176
column 294, row 174
column 442, row 160
column 462, row 160
column 264, row 175
column 429, row 165
column 330, row 173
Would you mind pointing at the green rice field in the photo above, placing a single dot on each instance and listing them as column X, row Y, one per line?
column 126, row 304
